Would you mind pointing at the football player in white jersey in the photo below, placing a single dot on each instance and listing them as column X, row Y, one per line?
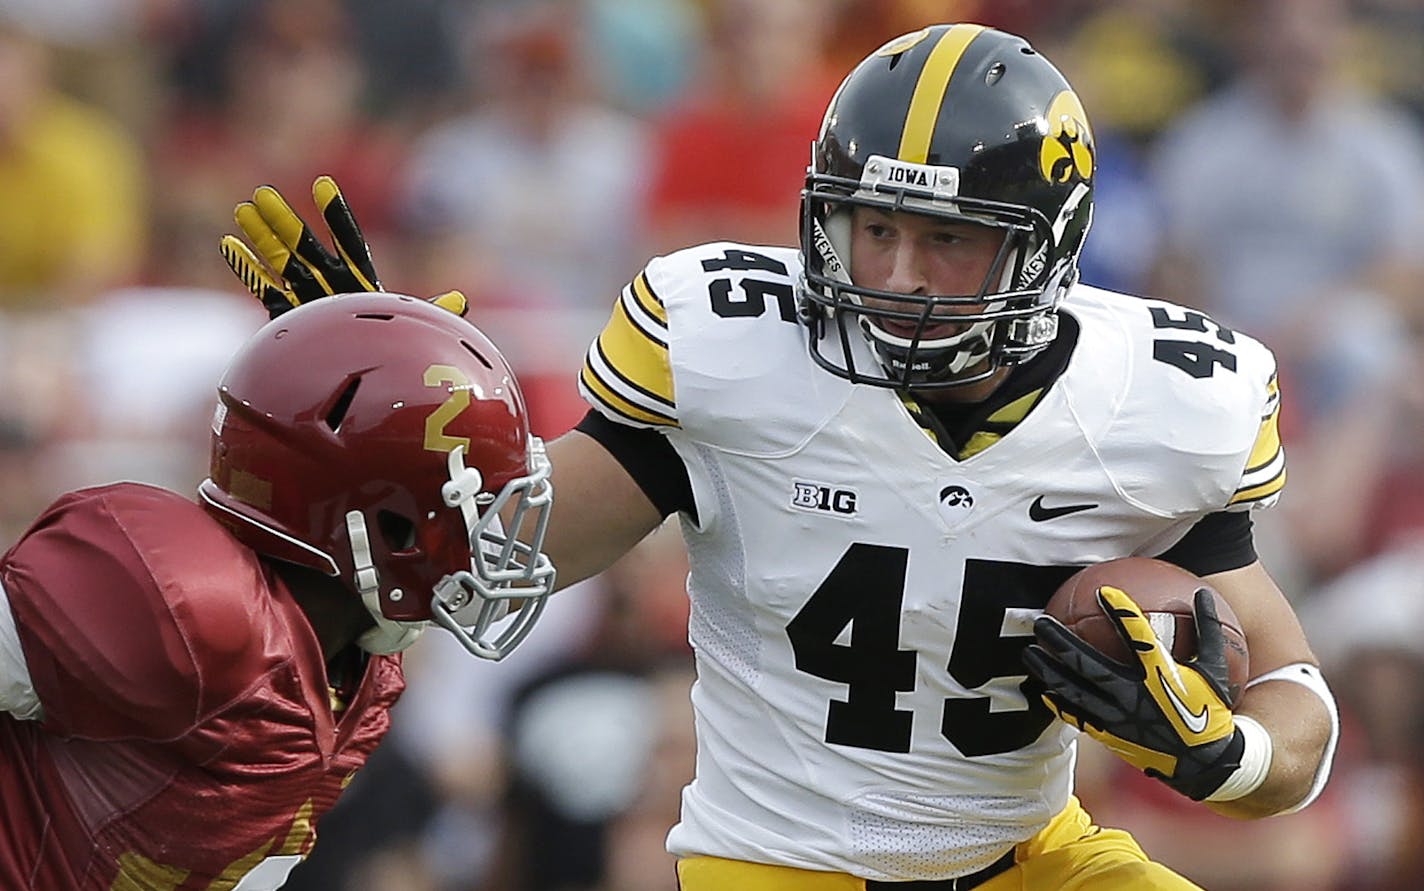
column 876, row 522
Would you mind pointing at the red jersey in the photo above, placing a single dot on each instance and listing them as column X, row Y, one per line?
column 188, row 740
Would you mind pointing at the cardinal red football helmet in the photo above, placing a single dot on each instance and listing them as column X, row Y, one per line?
column 377, row 438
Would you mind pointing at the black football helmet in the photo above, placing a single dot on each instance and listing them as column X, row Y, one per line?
column 968, row 124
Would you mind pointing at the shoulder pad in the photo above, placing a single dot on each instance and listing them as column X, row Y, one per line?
column 137, row 612
column 708, row 336
column 1193, row 428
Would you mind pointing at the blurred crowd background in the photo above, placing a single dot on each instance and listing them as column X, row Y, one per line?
column 1262, row 161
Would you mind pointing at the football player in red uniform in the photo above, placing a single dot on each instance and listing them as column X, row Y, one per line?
column 186, row 686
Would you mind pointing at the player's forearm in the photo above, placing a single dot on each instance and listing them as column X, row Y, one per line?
column 1300, row 727
column 599, row 512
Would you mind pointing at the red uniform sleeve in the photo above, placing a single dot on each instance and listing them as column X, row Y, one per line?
column 137, row 613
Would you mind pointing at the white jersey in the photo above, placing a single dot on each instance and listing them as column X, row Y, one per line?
column 860, row 599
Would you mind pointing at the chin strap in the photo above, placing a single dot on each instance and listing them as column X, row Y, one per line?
column 388, row 636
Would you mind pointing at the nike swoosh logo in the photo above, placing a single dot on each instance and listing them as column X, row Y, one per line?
column 1038, row 513
column 1195, row 723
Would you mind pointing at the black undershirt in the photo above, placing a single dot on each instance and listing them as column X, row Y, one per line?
column 1216, row 543
column 955, row 422
column 649, row 459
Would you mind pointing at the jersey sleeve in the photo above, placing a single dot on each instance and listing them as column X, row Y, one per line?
column 128, row 610
column 1265, row 474
column 626, row 375
column 1194, row 427
column 705, row 346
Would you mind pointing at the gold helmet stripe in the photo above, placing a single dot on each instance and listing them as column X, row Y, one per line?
column 929, row 91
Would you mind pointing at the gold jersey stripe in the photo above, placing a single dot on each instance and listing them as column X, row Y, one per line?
column 1015, row 411
column 978, row 443
column 598, row 366
column 918, row 414
column 617, row 404
column 1261, row 492
column 1268, row 442
column 635, row 357
column 924, row 109
column 1265, row 473
column 1006, row 417
column 1262, row 482
column 643, row 293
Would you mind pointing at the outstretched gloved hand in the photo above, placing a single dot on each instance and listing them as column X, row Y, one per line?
column 283, row 262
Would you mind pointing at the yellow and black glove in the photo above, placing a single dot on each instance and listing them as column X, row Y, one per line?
column 285, row 265
column 1168, row 719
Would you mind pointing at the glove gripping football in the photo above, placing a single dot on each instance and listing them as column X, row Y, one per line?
column 1168, row 719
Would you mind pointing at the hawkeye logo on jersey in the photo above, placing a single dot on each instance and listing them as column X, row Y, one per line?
column 822, row 498
column 956, row 503
column 956, row 498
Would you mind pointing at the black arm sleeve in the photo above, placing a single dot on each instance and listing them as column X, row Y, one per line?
column 649, row 459
column 1217, row 543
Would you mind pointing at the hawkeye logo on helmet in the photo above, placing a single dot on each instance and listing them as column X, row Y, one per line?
column 884, row 174
column 1067, row 152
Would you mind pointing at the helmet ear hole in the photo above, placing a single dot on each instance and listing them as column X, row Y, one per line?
column 398, row 532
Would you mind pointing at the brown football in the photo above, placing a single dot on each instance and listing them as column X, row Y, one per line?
column 1164, row 592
